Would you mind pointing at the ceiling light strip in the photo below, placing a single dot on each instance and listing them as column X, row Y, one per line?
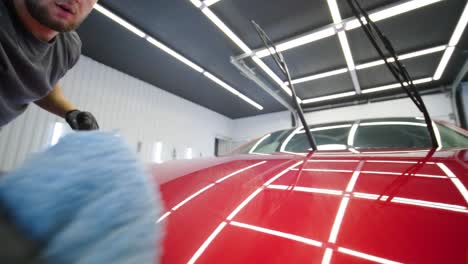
column 210, row 2
column 461, row 25
column 456, row 35
column 119, row 20
column 443, row 63
column 335, row 12
column 271, row 74
column 394, row 85
column 300, row 41
column 369, row 64
column 227, row 31
column 328, row 97
column 388, row 12
column 231, row 90
column 173, row 53
column 319, row 76
column 234, row 38
column 350, row 24
column 402, row 57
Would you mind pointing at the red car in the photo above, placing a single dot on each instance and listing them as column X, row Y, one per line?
column 374, row 192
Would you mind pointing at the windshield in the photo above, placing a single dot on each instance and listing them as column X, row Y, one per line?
column 398, row 133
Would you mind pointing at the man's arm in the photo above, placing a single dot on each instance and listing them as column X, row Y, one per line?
column 56, row 103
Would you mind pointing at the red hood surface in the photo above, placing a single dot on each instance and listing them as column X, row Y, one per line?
column 393, row 207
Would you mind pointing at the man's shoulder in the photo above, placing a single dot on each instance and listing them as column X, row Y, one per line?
column 71, row 39
column 71, row 43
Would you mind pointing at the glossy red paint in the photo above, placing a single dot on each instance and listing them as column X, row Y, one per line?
column 342, row 208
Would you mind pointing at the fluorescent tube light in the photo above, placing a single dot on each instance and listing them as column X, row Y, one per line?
column 210, row 2
column 400, row 9
column 119, row 20
column 346, row 50
column 461, row 25
column 299, row 41
column 232, row 90
column 228, row 32
column 174, row 54
column 392, row 11
column 369, row 64
column 335, row 12
column 402, row 57
column 319, row 76
column 394, row 85
column 221, row 83
column 250, row 101
column 328, row 97
column 443, row 63
column 196, row 3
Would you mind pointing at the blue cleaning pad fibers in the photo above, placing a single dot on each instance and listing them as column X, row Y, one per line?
column 86, row 200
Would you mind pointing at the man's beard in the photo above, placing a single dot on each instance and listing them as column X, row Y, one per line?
column 41, row 14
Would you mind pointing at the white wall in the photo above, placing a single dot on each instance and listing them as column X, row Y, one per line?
column 140, row 112
column 438, row 105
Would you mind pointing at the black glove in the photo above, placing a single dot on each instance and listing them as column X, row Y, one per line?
column 81, row 120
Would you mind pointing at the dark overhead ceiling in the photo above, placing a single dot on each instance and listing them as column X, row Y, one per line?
column 183, row 27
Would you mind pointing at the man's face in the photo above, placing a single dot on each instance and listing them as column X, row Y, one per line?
column 60, row 15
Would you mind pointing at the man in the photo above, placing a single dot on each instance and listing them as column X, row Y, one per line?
column 38, row 45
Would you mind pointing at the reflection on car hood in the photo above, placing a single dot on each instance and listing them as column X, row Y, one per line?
column 406, row 207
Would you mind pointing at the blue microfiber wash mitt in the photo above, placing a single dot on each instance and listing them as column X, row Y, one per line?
column 86, row 200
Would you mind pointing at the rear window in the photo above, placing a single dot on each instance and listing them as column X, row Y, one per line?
column 396, row 135
column 399, row 133
column 326, row 139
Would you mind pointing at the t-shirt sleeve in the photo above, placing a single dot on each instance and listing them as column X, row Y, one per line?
column 75, row 49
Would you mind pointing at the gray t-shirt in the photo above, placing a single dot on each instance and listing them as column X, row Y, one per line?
column 29, row 67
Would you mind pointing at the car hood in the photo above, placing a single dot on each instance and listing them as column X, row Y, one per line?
column 389, row 207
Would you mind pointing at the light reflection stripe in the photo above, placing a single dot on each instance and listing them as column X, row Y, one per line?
column 345, row 161
column 163, row 216
column 244, row 203
column 365, row 256
column 341, row 212
column 327, row 256
column 305, row 189
column 461, row 188
column 279, row 234
column 206, row 188
column 239, row 171
column 192, row 196
column 324, row 170
column 370, row 196
column 207, row 242
column 396, row 161
column 401, row 173
column 282, row 173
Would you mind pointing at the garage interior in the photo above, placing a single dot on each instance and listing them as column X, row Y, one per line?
column 181, row 79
